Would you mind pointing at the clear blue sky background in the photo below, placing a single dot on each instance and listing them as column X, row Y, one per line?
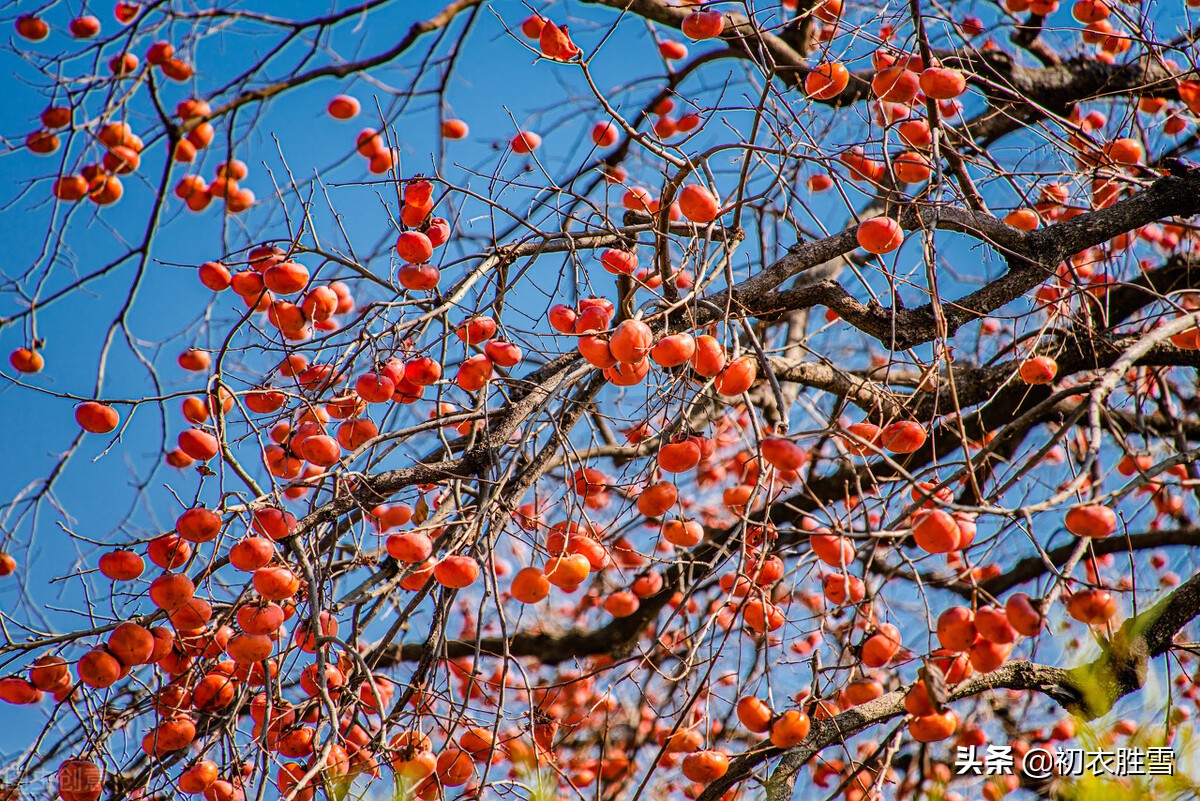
column 496, row 83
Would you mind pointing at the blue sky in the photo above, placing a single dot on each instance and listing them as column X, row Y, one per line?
column 497, row 84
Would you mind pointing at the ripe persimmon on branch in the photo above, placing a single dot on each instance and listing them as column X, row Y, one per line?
column 599, row 399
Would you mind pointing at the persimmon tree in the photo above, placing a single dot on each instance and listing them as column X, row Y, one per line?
column 739, row 399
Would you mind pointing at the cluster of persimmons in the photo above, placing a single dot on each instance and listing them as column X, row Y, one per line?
column 205, row 655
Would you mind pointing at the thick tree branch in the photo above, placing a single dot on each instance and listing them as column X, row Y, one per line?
column 1032, row 258
column 1089, row 690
